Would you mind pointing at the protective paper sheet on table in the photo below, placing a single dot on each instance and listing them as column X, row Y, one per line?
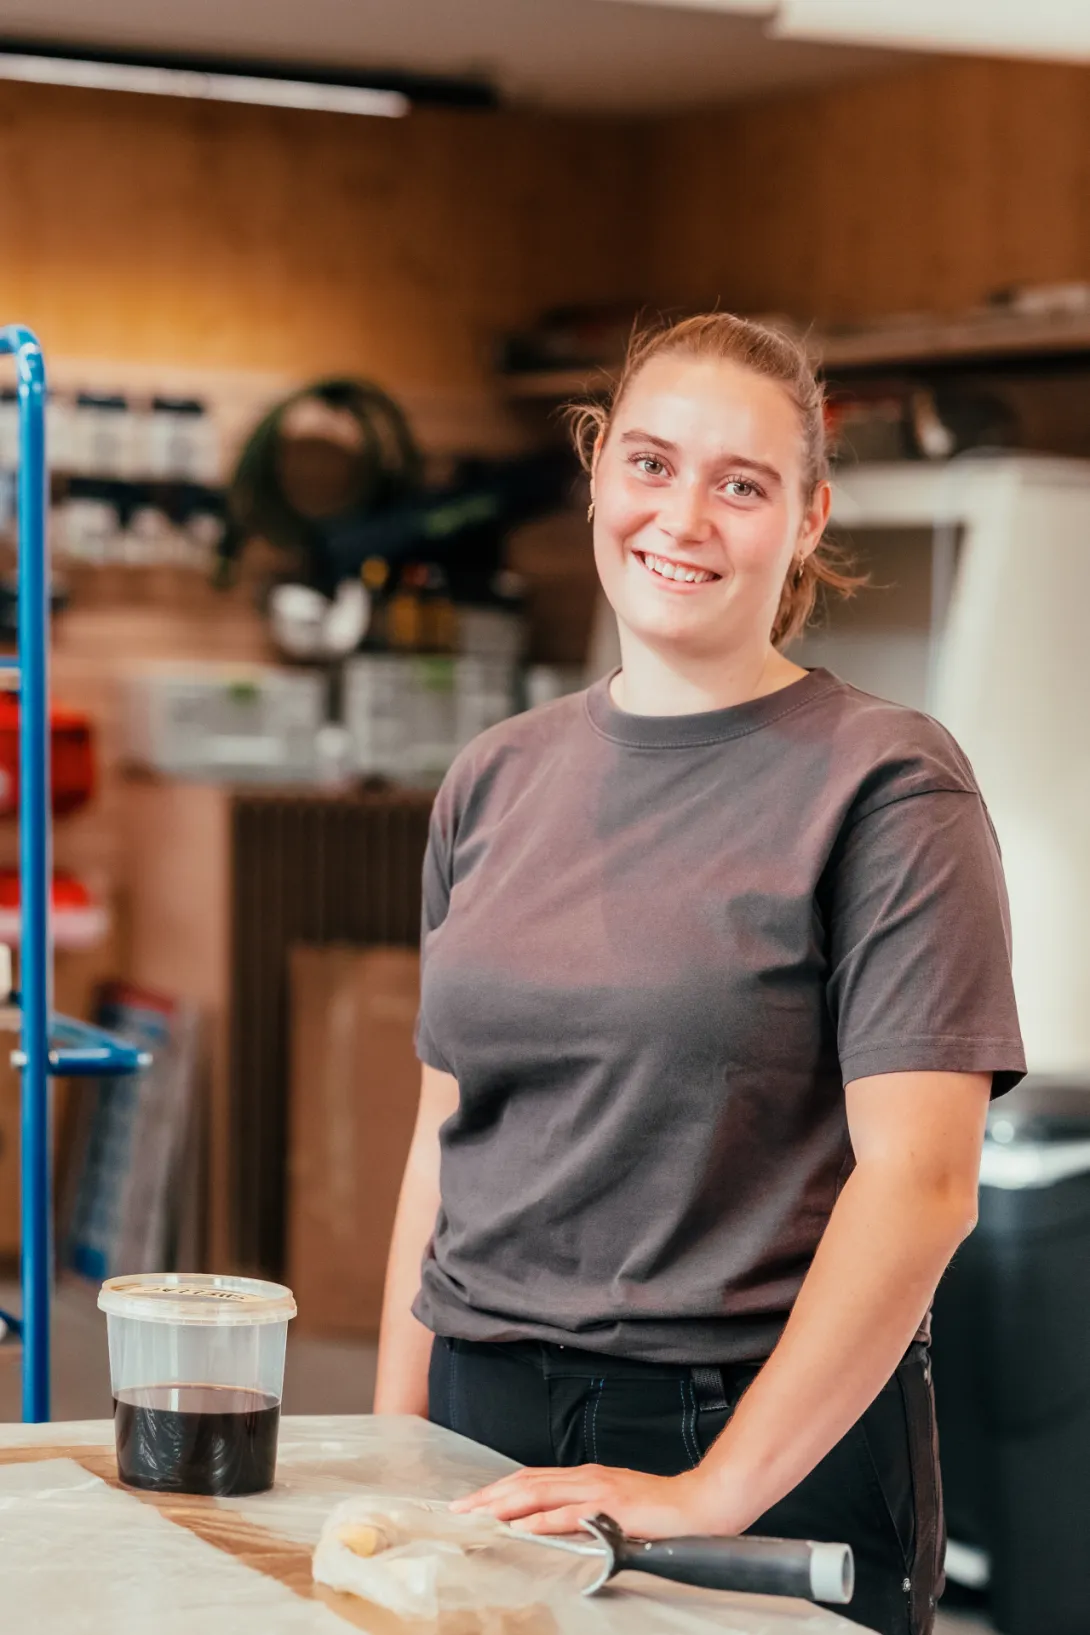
column 322, row 1460
column 80, row 1558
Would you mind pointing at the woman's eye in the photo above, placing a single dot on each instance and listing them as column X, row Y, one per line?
column 650, row 465
column 740, row 488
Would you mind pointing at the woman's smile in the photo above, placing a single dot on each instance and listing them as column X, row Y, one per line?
column 674, row 575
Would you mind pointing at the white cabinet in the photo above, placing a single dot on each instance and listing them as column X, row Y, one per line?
column 987, row 627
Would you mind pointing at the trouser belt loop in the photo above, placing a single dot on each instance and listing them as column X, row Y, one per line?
column 708, row 1388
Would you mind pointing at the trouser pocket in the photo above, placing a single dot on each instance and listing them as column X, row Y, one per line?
column 643, row 1424
column 494, row 1395
column 882, row 1437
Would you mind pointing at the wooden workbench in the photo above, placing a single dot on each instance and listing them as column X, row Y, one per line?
column 80, row 1555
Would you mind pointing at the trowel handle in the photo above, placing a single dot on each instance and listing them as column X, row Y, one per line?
column 761, row 1566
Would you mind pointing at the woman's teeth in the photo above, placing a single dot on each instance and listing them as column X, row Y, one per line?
column 674, row 570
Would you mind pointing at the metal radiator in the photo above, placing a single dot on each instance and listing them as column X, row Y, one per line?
column 304, row 869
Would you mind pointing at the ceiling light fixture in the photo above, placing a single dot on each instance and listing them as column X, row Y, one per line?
column 265, row 84
column 1052, row 29
column 209, row 86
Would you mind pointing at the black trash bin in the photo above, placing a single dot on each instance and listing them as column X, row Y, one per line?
column 1011, row 1363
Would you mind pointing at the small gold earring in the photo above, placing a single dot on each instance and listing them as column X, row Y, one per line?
column 800, row 569
column 590, row 512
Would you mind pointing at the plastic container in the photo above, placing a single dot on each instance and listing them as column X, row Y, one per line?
column 1011, row 1356
column 197, row 1371
column 182, row 445
column 101, row 436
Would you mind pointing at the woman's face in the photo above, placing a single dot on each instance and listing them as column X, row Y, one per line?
column 699, row 508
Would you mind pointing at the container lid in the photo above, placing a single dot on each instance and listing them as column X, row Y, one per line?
column 196, row 1297
column 101, row 400
column 177, row 405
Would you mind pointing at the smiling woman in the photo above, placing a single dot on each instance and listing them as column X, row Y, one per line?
column 716, row 984
column 732, row 351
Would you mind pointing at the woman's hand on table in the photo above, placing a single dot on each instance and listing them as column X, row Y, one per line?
column 556, row 1501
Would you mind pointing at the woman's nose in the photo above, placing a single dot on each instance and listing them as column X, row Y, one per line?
column 683, row 514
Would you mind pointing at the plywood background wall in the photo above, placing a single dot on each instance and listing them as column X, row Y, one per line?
column 920, row 190
column 170, row 234
column 188, row 237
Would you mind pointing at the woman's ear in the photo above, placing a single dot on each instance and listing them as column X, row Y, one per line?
column 815, row 520
column 596, row 455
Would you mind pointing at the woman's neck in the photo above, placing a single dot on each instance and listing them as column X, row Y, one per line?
column 650, row 683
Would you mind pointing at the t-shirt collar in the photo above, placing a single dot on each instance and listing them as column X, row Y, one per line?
column 707, row 726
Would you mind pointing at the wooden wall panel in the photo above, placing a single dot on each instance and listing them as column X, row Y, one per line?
column 924, row 189
column 166, row 232
column 161, row 233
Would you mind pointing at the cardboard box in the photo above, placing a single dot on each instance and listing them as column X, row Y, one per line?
column 353, row 1096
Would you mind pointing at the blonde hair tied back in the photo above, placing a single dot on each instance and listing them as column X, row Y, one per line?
column 722, row 336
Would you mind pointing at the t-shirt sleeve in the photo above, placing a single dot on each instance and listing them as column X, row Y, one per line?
column 919, row 941
column 435, row 901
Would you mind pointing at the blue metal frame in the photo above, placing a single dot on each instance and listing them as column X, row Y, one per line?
column 79, row 1049
column 35, row 867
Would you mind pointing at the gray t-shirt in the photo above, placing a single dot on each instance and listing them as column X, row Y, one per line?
column 655, row 948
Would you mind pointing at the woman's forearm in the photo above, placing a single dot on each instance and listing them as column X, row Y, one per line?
column 887, row 1244
column 401, row 1384
column 909, row 1203
column 404, row 1347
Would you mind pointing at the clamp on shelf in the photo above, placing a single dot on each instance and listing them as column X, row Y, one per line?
column 79, row 1050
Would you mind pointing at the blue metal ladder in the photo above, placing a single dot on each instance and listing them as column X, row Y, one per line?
column 52, row 1046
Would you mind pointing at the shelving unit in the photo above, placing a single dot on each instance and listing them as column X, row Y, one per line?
column 50, row 1046
column 983, row 337
column 978, row 337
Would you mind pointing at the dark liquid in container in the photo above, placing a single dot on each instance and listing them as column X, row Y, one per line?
column 214, row 1439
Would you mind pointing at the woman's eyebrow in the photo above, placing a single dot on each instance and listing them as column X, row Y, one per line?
column 769, row 473
column 637, row 436
column 760, row 466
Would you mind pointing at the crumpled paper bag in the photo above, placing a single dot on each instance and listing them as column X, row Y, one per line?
column 416, row 1559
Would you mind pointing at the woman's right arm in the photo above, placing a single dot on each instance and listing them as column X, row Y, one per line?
column 404, row 1346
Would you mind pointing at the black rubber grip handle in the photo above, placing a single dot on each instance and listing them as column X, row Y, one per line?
column 761, row 1566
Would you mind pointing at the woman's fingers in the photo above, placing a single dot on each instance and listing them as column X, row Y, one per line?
column 568, row 1519
column 543, row 1493
column 557, row 1500
column 518, row 1483
column 478, row 1500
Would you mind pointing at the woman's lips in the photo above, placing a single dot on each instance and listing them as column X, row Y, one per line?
column 674, row 579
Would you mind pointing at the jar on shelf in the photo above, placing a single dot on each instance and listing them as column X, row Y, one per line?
column 182, row 443
column 102, row 444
